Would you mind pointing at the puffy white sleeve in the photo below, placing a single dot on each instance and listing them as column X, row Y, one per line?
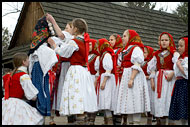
column 185, row 66
column 96, row 65
column 66, row 49
column 151, row 68
column 30, row 90
column 107, row 64
column 175, row 57
column 47, row 58
column 119, row 59
column 137, row 58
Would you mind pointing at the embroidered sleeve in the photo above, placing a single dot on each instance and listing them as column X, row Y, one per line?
column 66, row 50
column 107, row 64
column 30, row 90
column 152, row 65
column 96, row 65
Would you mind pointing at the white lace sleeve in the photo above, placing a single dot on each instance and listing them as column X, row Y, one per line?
column 30, row 90
column 107, row 64
column 96, row 65
column 151, row 68
column 137, row 58
column 66, row 50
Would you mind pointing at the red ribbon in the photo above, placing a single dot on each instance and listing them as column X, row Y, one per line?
column 86, row 40
column 159, row 82
column 51, row 80
column 7, row 84
column 173, row 90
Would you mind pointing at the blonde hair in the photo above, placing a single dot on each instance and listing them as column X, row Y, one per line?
column 18, row 59
column 81, row 25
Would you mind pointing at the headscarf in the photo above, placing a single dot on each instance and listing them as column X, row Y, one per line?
column 118, row 43
column 134, row 39
column 104, row 45
column 150, row 53
column 185, row 54
column 41, row 33
column 94, row 47
column 171, row 47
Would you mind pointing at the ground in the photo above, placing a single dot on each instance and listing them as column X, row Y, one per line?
column 99, row 121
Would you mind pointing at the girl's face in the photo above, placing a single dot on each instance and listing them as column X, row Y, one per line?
column 112, row 40
column 181, row 46
column 26, row 62
column 125, row 38
column 90, row 46
column 145, row 52
column 68, row 28
column 165, row 41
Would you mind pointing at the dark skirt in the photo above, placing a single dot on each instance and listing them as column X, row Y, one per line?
column 42, row 84
column 179, row 102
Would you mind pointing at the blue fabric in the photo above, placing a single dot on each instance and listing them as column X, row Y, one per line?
column 179, row 102
column 42, row 103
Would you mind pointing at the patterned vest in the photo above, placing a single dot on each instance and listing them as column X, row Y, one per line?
column 91, row 64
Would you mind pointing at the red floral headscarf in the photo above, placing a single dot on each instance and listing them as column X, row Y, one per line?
column 150, row 53
column 94, row 47
column 185, row 54
column 104, row 45
column 134, row 39
column 172, row 47
column 118, row 43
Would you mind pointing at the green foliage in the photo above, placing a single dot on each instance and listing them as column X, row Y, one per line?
column 182, row 11
column 6, row 37
column 148, row 5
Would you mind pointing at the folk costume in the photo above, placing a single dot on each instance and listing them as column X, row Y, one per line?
column 42, row 58
column 135, row 100
column 15, row 110
column 144, row 67
column 107, row 67
column 79, row 92
column 162, row 63
column 179, row 101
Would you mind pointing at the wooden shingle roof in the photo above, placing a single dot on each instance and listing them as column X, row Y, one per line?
column 106, row 18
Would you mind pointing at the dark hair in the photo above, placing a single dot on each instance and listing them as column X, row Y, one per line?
column 81, row 25
column 18, row 59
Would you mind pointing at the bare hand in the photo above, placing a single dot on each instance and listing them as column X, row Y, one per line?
column 51, row 42
column 152, row 84
column 50, row 18
column 103, row 85
column 178, row 63
column 130, row 83
column 147, row 77
column 169, row 76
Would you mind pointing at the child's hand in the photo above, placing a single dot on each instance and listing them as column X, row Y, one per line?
column 152, row 84
column 130, row 83
column 51, row 42
column 178, row 63
column 50, row 18
column 169, row 76
column 103, row 85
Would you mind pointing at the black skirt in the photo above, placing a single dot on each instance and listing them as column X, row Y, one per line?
column 179, row 101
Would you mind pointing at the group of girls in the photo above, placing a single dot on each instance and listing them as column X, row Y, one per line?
column 78, row 76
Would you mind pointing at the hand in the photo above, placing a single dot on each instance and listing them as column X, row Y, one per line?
column 51, row 42
column 152, row 84
column 147, row 77
column 169, row 76
column 103, row 85
column 130, row 83
column 178, row 63
column 50, row 18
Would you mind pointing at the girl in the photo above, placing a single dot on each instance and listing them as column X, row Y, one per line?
column 79, row 93
column 148, row 54
column 179, row 102
column 162, row 62
column 93, row 55
column 106, row 82
column 133, row 97
column 117, row 45
column 18, row 87
column 42, row 59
